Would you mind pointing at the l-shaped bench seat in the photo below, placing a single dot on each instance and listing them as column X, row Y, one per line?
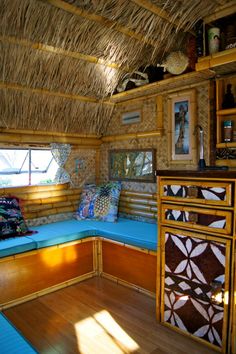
column 125, row 231
column 11, row 341
column 65, row 252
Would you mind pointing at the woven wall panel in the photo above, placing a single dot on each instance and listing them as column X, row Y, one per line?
column 159, row 143
column 148, row 117
column 81, row 166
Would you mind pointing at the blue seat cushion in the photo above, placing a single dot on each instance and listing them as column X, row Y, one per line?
column 11, row 341
column 127, row 231
column 16, row 245
column 131, row 232
column 61, row 232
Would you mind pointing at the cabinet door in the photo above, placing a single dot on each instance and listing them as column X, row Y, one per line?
column 195, row 284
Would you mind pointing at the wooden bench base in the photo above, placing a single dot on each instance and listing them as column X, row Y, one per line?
column 35, row 273
column 134, row 266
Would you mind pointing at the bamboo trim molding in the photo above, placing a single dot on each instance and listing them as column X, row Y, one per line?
column 128, row 285
column 148, row 5
column 61, row 51
column 112, row 138
column 221, row 11
column 172, row 84
column 10, row 136
column 18, row 87
column 41, row 132
column 100, row 19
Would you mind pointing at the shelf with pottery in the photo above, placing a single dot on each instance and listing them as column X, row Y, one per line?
column 173, row 83
column 225, row 60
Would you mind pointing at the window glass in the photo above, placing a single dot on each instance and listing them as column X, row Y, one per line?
column 43, row 167
column 19, row 167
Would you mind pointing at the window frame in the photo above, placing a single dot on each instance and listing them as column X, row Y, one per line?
column 29, row 171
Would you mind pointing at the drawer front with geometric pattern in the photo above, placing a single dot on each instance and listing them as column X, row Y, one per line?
column 202, row 219
column 213, row 193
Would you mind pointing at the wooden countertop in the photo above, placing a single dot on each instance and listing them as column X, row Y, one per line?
column 230, row 173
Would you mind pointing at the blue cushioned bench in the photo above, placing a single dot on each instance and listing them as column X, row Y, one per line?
column 11, row 341
column 127, row 231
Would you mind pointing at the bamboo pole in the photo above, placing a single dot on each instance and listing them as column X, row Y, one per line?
column 101, row 20
column 137, row 201
column 137, row 207
column 97, row 166
column 144, row 195
column 61, row 51
column 34, row 189
column 10, row 136
column 221, row 11
column 159, row 105
column 111, row 138
column 150, row 215
column 40, row 132
column 148, row 5
column 18, row 87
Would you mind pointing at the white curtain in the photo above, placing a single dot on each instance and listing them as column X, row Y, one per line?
column 61, row 152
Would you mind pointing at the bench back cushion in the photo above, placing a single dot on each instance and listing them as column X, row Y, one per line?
column 100, row 202
column 12, row 222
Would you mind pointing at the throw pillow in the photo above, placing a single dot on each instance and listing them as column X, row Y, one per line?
column 12, row 222
column 86, row 207
column 100, row 203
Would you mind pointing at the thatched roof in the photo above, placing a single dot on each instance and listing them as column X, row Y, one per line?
column 59, row 59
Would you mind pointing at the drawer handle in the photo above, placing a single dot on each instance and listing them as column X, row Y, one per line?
column 192, row 192
column 193, row 217
column 217, row 292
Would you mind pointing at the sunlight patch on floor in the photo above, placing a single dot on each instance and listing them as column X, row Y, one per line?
column 101, row 331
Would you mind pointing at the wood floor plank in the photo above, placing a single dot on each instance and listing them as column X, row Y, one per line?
column 98, row 316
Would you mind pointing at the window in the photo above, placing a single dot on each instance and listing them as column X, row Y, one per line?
column 22, row 167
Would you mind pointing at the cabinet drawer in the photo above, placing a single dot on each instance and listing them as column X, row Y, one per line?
column 216, row 221
column 213, row 192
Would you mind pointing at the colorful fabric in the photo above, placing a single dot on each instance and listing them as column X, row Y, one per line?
column 12, row 222
column 100, row 203
column 192, row 267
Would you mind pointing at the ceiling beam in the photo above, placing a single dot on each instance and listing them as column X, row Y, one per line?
column 100, row 19
column 148, row 5
column 18, row 87
column 60, row 51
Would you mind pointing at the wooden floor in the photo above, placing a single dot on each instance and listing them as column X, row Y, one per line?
column 98, row 316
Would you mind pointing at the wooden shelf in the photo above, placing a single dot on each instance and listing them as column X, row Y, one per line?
column 222, row 62
column 226, row 145
column 226, row 112
column 224, row 162
column 171, row 84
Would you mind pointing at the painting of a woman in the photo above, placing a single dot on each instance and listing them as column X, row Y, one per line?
column 181, row 128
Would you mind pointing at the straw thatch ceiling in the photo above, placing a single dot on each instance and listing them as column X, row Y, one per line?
column 60, row 58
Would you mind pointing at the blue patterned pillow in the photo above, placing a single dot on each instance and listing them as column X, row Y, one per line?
column 12, row 222
column 100, row 203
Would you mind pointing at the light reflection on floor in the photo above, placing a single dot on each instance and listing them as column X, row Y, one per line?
column 102, row 330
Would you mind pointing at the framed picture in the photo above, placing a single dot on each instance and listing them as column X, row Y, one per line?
column 133, row 117
column 132, row 165
column 182, row 117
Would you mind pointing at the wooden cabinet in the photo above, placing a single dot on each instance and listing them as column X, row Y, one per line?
column 196, row 228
